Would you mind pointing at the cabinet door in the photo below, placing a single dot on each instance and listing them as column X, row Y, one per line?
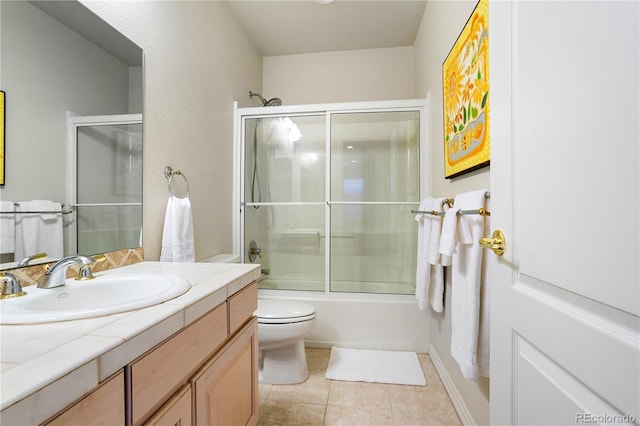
column 104, row 406
column 226, row 389
column 176, row 411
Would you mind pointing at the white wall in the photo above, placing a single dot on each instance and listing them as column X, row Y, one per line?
column 441, row 24
column 347, row 76
column 198, row 61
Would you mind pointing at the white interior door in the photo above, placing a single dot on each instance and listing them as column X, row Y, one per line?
column 565, row 190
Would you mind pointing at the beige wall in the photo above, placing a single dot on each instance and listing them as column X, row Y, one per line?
column 347, row 76
column 440, row 27
column 197, row 62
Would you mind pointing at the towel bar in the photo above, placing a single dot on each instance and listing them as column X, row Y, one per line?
column 449, row 202
column 169, row 173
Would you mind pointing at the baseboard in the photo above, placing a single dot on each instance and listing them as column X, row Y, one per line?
column 454, row 395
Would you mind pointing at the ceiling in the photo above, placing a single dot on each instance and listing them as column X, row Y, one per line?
column 287, row 27
column 278, row 27
column 78, row 18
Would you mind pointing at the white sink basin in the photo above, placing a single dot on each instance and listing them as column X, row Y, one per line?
column 104, row 295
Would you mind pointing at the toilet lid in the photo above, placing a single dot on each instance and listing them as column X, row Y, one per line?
column 283, row 310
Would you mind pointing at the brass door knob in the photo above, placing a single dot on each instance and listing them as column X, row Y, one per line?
column 497, row 242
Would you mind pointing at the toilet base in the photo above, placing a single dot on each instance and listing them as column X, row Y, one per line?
column 283, row 366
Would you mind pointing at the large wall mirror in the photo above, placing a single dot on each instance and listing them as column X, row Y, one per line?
column 73, row 133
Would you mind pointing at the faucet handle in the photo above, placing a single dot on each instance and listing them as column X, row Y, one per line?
column 85, row 272
column 11, row 286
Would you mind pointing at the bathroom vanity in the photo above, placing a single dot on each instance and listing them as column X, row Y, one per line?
column 190, row 360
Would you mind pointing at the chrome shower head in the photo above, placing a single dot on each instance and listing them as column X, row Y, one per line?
column 270, row 102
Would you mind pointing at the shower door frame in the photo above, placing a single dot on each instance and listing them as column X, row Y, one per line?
column 73, row 123
column 241, row 115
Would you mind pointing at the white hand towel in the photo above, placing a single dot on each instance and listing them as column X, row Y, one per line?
column 466, row 273
column 7, row 227
column 448, row 237
column 177, row 237
column 39, row 232
column 433, row 253
column 422, row 265
column 436, row 289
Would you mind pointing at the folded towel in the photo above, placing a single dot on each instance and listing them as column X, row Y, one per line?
column 448, row 237
column 436, row 289
column 39, row 232
column 466, row 273
column 177, row 237
column 7, row 227
column 422, row 265
column 49, row 209
column 433, row 253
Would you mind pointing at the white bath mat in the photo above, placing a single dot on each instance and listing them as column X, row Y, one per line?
column 364, row 365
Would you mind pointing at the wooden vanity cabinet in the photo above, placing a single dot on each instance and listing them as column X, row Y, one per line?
column 176, row 411
column 221, row 387
column 103, row 406
column 161, row 372
column 205, row 374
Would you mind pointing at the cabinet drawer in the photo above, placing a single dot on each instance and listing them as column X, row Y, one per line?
column 242, row 305
column 104, row 406
column 177, row 411
column 160, row 373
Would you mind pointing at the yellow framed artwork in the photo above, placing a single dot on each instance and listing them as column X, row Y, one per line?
column 2, row 138
column 465, row 90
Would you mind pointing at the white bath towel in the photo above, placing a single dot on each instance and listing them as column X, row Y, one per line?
column 436, row 289
column 39, row 232
column 423, row 268
column 177, row 238
column 466, row 273
column 7, row 227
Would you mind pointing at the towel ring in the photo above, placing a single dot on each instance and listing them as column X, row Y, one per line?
column 169, row 173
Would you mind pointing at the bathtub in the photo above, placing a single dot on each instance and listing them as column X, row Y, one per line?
column 359, row 320
column 361, row 315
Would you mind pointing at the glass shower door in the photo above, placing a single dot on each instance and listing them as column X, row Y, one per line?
column 284, row 194
column 374, row 181
column 326, row 197
column 108, row 187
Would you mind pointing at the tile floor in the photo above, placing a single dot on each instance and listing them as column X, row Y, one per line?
column 320, row 401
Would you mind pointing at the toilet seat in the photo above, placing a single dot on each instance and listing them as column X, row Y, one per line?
column 283, row 311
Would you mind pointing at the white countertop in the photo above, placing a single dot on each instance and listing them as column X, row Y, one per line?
column 45, row 367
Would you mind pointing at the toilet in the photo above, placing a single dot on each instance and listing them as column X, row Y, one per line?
column 282, row 327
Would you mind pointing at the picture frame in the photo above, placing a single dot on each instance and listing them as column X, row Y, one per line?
column 465, row 90
column 2, row 134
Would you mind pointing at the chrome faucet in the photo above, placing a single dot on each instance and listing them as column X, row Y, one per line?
column 28, row 259
column 11, row 286
column 56, row 275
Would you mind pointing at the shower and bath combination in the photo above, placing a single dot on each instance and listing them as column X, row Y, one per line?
column 333, row 225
